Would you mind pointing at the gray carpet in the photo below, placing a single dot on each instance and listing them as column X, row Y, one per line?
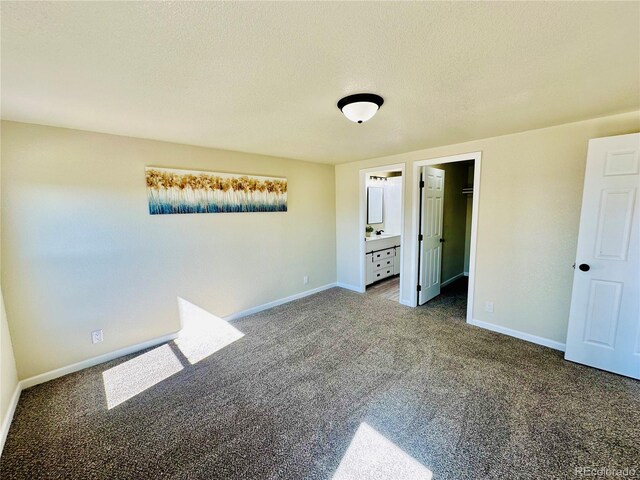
column 286, row 400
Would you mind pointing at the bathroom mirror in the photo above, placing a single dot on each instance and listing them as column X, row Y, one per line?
column 374, row 204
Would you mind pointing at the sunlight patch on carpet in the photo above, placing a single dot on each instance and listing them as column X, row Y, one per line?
column 134, row 376
column 202, row 333
column 370, row 455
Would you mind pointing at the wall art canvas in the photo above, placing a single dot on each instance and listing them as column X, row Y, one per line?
column 189, row 191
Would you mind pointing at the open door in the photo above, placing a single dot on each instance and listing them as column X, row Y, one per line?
column 604, row 322
column 430, row 235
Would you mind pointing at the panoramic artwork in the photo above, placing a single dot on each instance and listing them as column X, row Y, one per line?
column 187, row 191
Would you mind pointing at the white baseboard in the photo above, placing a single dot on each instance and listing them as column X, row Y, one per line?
column 521, row 335
column 6, row 422
column 452, row 279
column 45, row 377
column 346, row 286
column 59, row 372
column 275, row 303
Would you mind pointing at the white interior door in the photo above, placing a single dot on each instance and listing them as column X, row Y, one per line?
column 432, row 199
column 604, row 323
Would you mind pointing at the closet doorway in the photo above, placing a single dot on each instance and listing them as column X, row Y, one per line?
column 445, row 203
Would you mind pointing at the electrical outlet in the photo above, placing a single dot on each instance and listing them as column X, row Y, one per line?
column 488, row 307
column 96, row 336
column 305, row 279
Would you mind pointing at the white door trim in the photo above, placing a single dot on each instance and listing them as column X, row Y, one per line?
column 412, row 241
column 363, row 219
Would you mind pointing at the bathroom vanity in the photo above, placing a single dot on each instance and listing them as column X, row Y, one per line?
column 382, row 257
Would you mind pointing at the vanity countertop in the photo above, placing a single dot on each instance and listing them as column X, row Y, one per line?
column 379, row 242
column 379, row 237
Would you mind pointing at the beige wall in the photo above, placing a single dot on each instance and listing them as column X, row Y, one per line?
column 80, row 250
column 8, row 373
column 454, row 216
column 529, row 205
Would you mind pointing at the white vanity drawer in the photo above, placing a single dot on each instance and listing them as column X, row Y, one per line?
column 387, row 262
column 382, row 273
column 381, row 264
column 382, row 254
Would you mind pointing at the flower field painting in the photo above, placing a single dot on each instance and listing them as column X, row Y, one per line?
column 172, row 191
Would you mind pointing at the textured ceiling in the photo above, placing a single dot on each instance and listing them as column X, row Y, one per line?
column 265, row 77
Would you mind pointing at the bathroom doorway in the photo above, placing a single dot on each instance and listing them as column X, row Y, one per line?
column 381, row 231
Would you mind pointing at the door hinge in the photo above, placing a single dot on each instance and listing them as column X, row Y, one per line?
column 419, row 288
column 421, row 183
column 420, row 237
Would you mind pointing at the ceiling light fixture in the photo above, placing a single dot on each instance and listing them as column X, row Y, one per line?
column 360, row 107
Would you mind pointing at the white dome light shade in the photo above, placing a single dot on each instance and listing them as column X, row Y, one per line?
column 360, row 107
column 360, row 111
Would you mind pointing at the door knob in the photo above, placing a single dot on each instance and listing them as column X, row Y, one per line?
column 584, row 267
column 442, row 240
